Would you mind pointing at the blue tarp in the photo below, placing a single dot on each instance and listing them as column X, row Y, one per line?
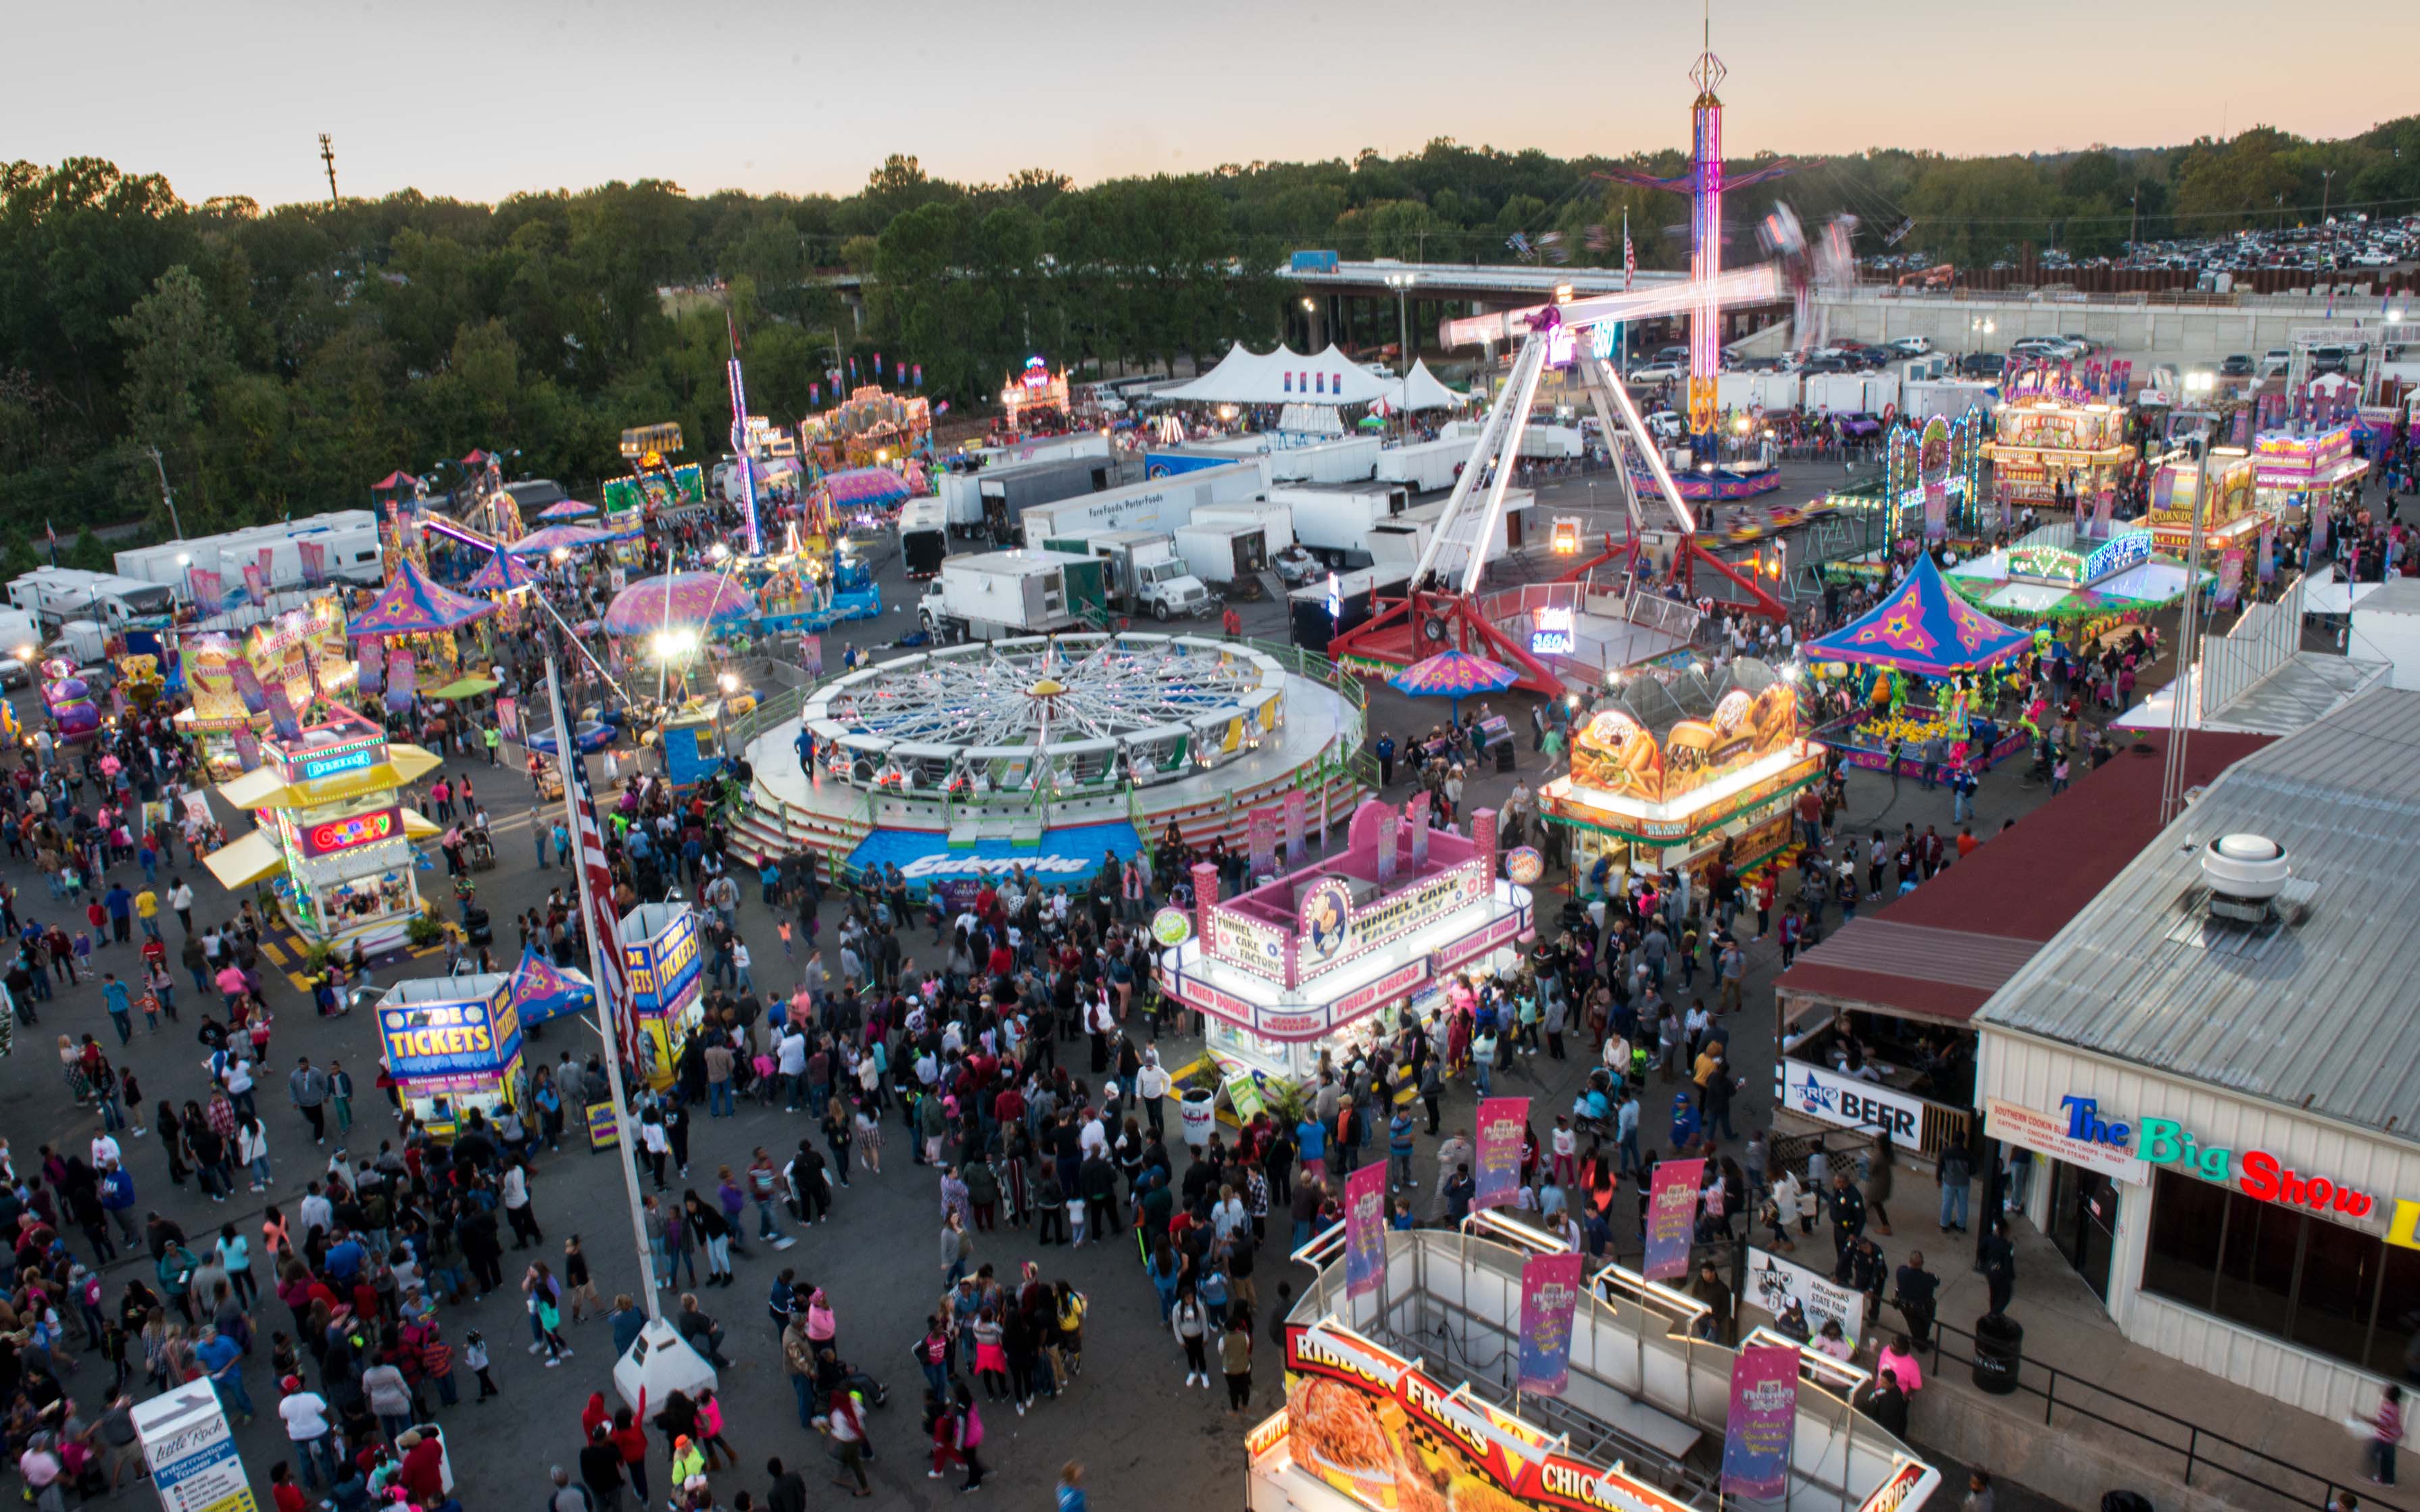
column 1067, row 857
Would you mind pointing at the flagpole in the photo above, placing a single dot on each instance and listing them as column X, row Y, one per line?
column 608, row 1011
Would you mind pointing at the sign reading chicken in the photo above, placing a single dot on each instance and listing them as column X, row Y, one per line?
column 1616, row 755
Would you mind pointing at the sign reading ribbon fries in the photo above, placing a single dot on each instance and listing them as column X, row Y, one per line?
column 1387, row 1434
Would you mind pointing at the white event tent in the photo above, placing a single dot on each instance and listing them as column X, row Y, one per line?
column 1286, row 377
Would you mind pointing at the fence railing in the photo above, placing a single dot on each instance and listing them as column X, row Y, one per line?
column 2195, row 1447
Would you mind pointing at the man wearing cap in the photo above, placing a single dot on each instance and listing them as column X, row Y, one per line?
column 305, row 1415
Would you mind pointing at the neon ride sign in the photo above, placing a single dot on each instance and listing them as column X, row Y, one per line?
column 1554, row 634
column 350, row 833
column 2259, row 1175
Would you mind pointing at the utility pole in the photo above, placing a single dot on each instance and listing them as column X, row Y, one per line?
column 165, row 496
column 2327, row 228
column 328, row 156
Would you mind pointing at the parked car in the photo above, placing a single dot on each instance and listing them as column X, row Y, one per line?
column 2237, row 365
column 1982, row 364
column 1658, row 372
column 1909, row 345
column 14, row 673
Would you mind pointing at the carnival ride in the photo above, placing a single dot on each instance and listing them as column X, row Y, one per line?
column 1705, row 183
column 656, row 482
column 1921, row 632
column 1065, row 711
column 1443, row 611
column 872, row 428
column 1034, row 398
column 975, row 758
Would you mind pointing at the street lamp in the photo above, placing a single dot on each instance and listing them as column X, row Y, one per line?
column 1401, row 283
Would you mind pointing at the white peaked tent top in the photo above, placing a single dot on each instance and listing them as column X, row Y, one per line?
column 1284, row 377
column 1421, row 389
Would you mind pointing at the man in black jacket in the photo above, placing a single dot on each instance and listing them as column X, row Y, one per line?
column 600, row 1469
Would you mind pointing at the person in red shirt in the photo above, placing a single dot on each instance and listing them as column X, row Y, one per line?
column 424, row 1475
column 283, row 1493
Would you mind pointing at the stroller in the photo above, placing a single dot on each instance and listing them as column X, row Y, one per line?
column 479, row 850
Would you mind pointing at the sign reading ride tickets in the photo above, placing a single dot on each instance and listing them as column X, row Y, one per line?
column 1395, row 1438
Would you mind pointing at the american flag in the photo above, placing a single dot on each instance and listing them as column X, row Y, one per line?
column 598, row 921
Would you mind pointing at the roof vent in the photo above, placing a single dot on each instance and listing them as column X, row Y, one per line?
column 2245, row 873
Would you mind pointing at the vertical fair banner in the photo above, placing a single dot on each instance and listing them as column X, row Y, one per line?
column 1498, row 1177
column 1416, row 814
column 1550, row 1295
column 1261, row 849
column 1296, row 805
column 1764, row 1414
column 1365, row 1230
column 1671, row 1218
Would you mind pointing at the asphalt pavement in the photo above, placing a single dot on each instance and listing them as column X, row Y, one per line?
column 1128, row 1418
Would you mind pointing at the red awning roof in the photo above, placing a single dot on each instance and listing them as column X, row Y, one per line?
column 1941, row 951
column 398, row 479
column 476, row 460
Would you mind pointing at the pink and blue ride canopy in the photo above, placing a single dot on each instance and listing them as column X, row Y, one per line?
column 502, row 573
column 568, row 509
column 570, row 536
column 1923, row 627
column 702, row 600
column 1455, row 674
column 411, row 605
column 864, row 486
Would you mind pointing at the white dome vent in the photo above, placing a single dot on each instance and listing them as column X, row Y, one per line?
column 2245, row 873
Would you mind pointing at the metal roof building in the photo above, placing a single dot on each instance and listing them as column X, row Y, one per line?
column 2224, row 1106
column 2319, row 1011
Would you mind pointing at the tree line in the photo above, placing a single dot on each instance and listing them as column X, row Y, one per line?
column 276, row 360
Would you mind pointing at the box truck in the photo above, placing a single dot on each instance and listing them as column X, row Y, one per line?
column 1152, row 504
column 1510, row 533
column 55, row 596
column 1425, row 467
column 1314, row 618
column 1276, row 520
column 348, row 540
column 1220, row 554
column 1144, row 573
column 990, row 502
column 923, row 537
column 992, row 595
column 1334, row 519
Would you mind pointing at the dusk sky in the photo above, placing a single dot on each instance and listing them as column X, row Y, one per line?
column 479, row 101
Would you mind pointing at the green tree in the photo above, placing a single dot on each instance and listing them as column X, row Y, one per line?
column 178, row 351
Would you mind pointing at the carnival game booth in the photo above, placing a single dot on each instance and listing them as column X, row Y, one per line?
column 1484, row 1369
column 2293, row 470
column 452, row 1045
column 1308, row 964
column 661, row 953
column 2231, row 517
column 981, row 753
column 407, row 635
column 1922, row 642
column 2042, row 441
column 1675, row 767
column 301, row 651
column 2053, row 577
column 331, row 832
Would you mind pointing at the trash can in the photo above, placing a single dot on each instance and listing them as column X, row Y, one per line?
column 1198, row 1112
column 1999, row 1350
column 1505, row 751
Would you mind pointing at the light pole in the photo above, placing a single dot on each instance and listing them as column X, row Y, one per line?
column 166, row 497
column 1401, row 283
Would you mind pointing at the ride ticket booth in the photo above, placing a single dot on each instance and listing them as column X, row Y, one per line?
column 662, row 952
column 452, row 1043
column 1306, row 962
